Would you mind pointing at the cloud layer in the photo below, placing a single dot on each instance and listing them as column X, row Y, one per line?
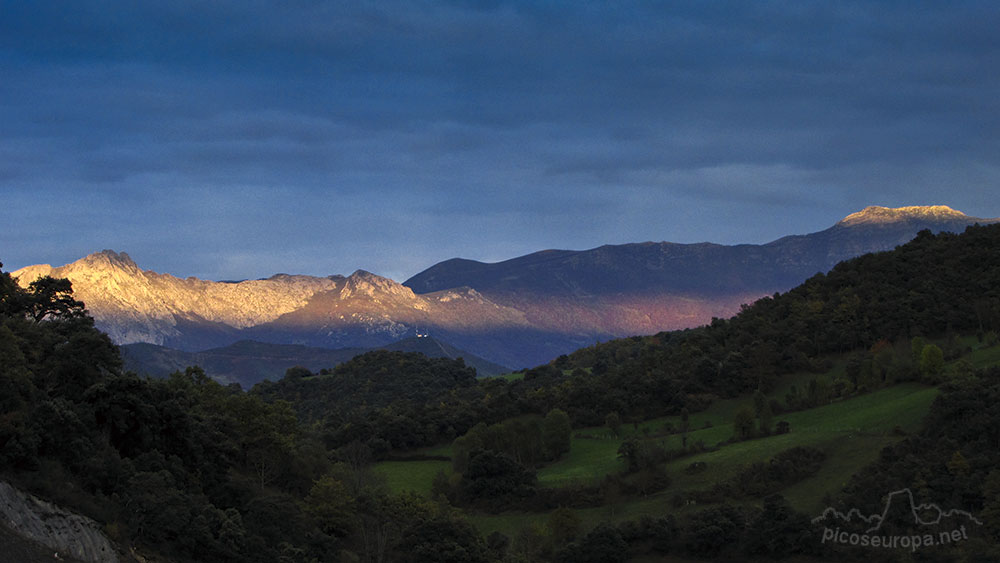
column 238, row 139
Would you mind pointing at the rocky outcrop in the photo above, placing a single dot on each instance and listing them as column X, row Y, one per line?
column 61, row 531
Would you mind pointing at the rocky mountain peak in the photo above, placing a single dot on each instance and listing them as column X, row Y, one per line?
column 106, row 259
column 365, row 283
column 876, row 214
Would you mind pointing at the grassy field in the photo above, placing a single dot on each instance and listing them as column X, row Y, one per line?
column 594, row 451
column 415, row 476
column 985, row 357
column 850, row 432
column 513, row 376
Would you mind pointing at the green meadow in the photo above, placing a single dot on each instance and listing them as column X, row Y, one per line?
column 851, row 432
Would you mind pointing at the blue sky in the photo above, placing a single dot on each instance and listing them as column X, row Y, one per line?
column 231, row 140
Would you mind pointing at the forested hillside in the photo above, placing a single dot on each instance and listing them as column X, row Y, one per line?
column 183, row 468
column 933, row 286
column 189, row 470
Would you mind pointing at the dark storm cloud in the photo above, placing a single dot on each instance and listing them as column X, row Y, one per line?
column 325, row 136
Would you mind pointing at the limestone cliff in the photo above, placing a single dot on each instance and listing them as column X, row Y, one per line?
column 65, row 533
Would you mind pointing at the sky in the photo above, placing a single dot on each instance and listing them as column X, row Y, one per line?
column 238, row 139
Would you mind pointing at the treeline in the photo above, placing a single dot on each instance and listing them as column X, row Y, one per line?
column 374, row 379
column 724, row 532
column 386, row 400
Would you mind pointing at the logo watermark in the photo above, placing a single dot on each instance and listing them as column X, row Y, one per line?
column 927, row 525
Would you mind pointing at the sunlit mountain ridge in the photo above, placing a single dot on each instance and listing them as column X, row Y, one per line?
column 518, row 312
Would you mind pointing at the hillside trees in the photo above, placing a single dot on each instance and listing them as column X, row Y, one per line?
column 951, row 462
column 930, row 287
column 159, row 461
column 492, row 476
column 191, row 470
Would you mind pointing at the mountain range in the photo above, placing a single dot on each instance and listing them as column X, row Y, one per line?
column 519, row 312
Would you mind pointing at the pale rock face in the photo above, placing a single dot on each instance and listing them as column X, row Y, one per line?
column 368, row 285
column 56, row 528
column 135, row 305
column 881, row 215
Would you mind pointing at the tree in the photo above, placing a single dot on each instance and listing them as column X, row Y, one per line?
column 762, row 408
column 13, row 301
column 819, row 391
column 158, row 510
column 777, row 531
column 614, row 423
column 331, row 505
column 931, row 362
column 743, row 423
column 52, row 297
column 685, row 426
column 603, row 544
column 917, row 345
column 991, row 509
column 267, row 435
column 464, row 445
column 883, row 356
column 564, row 525
column 492, row 475
column 759, row 402
column 958, row 465
column 631, row 452
column 556, row 433
column 712, row 530
column 766, row 417
column 531, row 543
column 297, row 372
column 442, row 538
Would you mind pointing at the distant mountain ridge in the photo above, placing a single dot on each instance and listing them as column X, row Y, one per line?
column 519, row 312
column 643, row 288
column 640, row 268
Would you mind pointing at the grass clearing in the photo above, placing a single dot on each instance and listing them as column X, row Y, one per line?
column 415, row 476
column 594, row 451
column 513, row 376
column 985, row 357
